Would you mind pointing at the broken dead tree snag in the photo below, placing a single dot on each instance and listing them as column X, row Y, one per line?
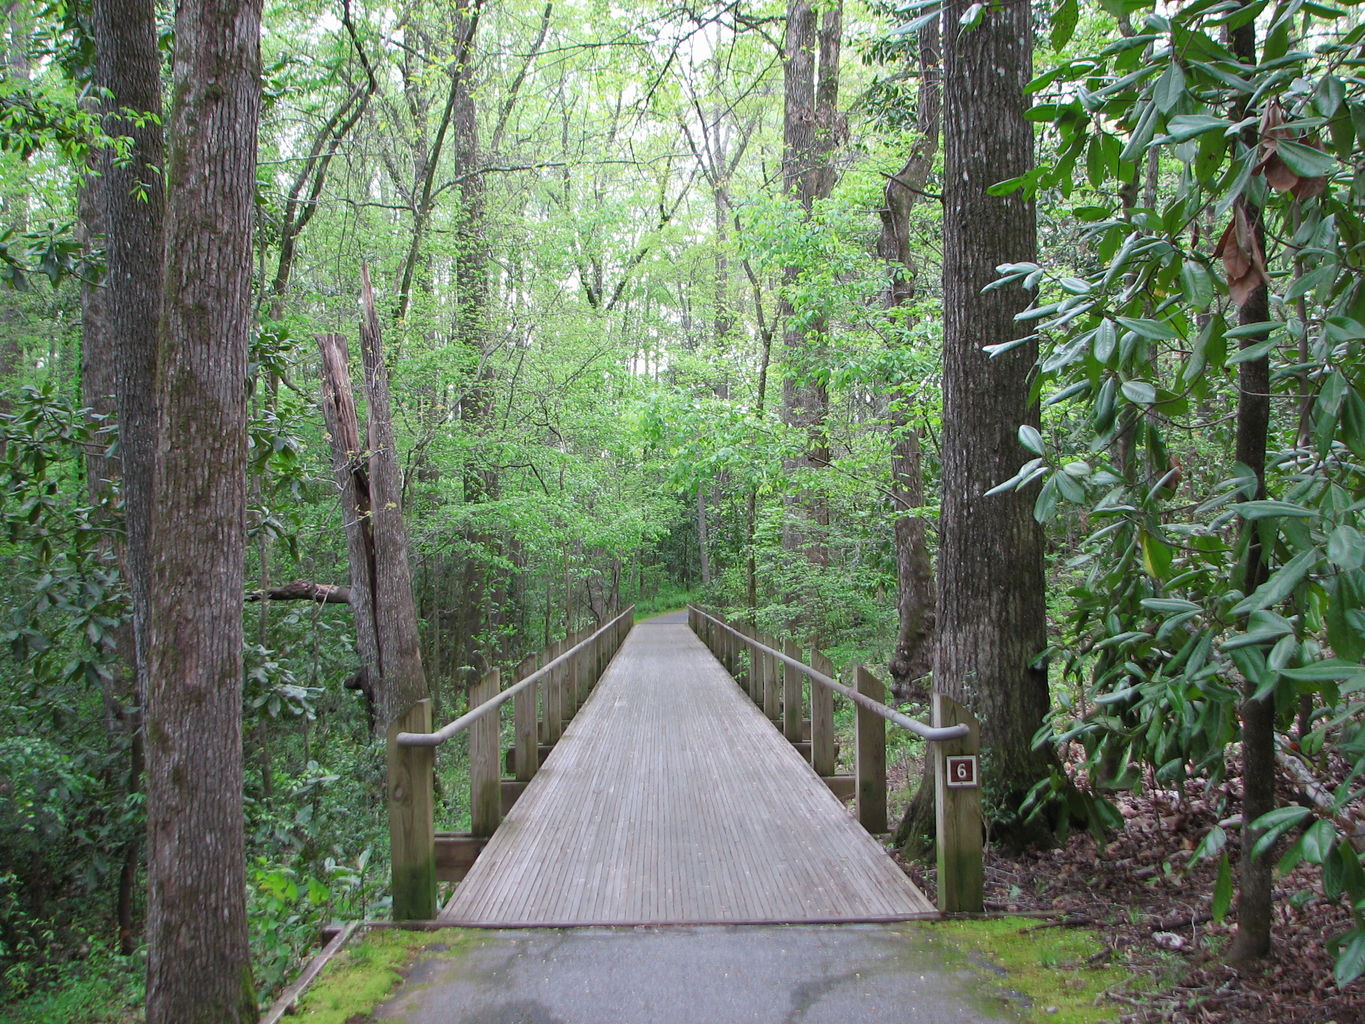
column 370, row 485
column 403, row 679
column 304, row 590
column 353, row 482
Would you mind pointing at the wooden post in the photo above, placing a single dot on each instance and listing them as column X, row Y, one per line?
column 485, row 774
column 412, row 839
column 554, row 697
column 957, row 792
column 755, row 680
column 792, row 685
column 571, row 679
column 821, row 718
column 524, row 714
column 771, row 681
column 870, row 756
column 750, row 666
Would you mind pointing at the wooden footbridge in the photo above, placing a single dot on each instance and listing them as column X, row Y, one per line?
column 675, row 773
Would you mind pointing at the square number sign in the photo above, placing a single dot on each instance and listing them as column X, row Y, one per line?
column 962, row 771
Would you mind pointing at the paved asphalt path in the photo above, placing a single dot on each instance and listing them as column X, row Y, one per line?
column 802, row 974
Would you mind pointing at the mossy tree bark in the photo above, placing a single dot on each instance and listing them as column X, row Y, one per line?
column 198, row 964
column 991, row 624
column 123, row 206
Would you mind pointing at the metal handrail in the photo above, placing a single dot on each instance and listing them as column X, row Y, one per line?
column 928, row 732
column 452, row 729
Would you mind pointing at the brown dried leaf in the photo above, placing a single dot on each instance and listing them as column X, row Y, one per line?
column 1242, row 258
column 1307, row 188
column 1278, row 175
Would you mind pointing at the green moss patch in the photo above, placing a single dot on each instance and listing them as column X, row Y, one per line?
column 362, row 976
column 1046, row 974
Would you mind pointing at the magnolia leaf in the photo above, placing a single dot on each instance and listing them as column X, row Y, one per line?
column 1280, row 584
column 1317, row 841
column 1064, row 23
column 1346, row 548
column 1243, row 261
column 1222, row 890
column 1271, row 509
column 1139, row 392
column 1350, row 962
column 1169, row 89
column 1307, row 160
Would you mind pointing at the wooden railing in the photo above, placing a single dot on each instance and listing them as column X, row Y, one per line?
column 423, row 857
column 773, row 675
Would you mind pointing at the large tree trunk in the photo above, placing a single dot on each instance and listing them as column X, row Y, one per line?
column 480, row 481
column 811, row 128
column 991, row 617
column 916, row 592
column 198, row 967
column 120, row 320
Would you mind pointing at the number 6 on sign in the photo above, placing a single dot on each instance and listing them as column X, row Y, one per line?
column 961, row 772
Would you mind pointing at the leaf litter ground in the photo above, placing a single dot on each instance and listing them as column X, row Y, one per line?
column 1151, row 907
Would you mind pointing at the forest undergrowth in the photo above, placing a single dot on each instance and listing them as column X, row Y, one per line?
column 1148, row 898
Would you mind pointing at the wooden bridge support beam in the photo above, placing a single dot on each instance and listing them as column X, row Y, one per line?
column 793, row 682
column 822, row 718
column 961, row 833
column 485, row 774
column 772, row 682
column 870, row 757
column 526, row 759
column 411, row 834
column 554, row 698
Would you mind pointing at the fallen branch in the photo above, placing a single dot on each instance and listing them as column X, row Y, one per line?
column 304, row 590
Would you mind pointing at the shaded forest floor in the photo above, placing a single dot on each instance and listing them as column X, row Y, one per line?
column 1139, row 892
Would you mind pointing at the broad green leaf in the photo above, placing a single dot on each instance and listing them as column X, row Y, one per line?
column 1275, row 824
column 1031, row 439
column 1304, row 160
column 1106, row 341
column 1350, row 962
column 1317, row 841
column 1045, row 507
column 1331, row 671
column 1169, row 605
column 1170, row 88
column 1270, row 509
column 1070, row 488
column 1261, row 630
column 1142, row 132
column 1346, row 548
column 1183, row 127
column 1280, row 584
column 1156, row 556
column 1064, row 23
column 1104, row 405
column 1211, row 845
column 1157, row 330
column 1139, row 392
column 1222, row 890
column 1197, row 284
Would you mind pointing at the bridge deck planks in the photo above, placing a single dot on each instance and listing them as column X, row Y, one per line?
column 672, row 799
